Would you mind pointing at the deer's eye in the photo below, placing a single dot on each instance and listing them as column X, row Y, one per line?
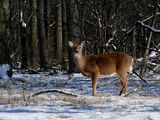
column 79, row 48
column 76, row 51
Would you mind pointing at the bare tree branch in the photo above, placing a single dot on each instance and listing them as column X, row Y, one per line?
column 53, row 90
column 139, row 23
column 142, row 25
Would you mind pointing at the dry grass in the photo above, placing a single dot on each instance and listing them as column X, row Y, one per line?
column 64, row 116
column 24, row 98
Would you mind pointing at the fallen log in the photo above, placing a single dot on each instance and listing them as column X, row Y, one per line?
column 53, row 90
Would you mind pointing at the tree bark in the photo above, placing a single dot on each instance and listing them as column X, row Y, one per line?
column 134, row 43
column 48, row 31
column 4, row 31
column 65, row 37
column 41, row 34
column 59, row 41
column 22, row 37
column 33, row 44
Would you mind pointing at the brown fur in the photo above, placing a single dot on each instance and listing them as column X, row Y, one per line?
column 104, row 64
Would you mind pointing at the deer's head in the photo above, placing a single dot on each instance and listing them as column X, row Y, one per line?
column 76, row 47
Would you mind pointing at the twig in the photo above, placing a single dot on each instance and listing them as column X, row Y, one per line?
column 53, row 90
column 157, row 4
column 142, row 46
column 19, row 80
column 135, row 26
column 139, row 77
column 152, row 69
column 126, row 95
column 33, row 71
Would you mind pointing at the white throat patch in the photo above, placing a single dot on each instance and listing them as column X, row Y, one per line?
column 77, row 56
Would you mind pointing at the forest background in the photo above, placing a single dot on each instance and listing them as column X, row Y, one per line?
column 35, row 33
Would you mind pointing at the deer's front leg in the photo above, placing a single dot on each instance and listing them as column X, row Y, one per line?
column 94, row 83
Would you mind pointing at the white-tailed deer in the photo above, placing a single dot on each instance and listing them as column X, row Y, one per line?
column 115, row 63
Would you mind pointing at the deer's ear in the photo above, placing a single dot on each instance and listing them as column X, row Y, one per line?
column 82, row 43
column 70, row 44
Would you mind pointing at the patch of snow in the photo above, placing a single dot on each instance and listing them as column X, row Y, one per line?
column 153, row 54
column 142, row 104
column 139, row 59
column 3, row 71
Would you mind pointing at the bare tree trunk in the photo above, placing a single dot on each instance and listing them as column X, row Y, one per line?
column 42, row 34
column 48, row 32
column 22, row 36
column 33, row 44
column 103, row 20
column 134, row 43
column 82, row 20
column 65, row 38
column 4, row 31
column 59, row 41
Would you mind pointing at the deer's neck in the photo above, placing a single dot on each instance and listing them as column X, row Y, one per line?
column 79, row 61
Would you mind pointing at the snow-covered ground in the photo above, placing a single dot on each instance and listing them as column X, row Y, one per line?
column 17, row 103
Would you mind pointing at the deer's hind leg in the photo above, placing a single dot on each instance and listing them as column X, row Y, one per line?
column 124, row 83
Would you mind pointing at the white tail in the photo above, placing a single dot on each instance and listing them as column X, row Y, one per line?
column 115, row 63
